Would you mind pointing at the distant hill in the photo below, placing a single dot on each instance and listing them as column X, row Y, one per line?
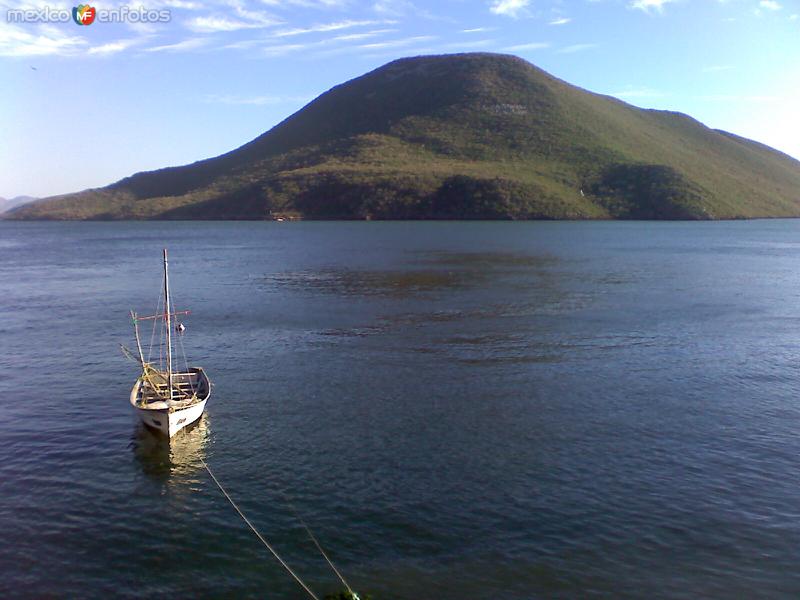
column 461, row 136
column 9, row 203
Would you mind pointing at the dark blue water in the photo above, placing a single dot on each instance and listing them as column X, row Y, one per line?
column 458, row 410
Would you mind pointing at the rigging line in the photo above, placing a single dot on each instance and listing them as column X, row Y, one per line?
column 180, row 337
column 317, row 544
column 185, row 360
column 186, row 364
column 192, row 385
column 153, row 335
column 152, row 339
column 260, row 537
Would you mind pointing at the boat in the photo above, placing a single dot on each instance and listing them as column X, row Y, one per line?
column 166, row 399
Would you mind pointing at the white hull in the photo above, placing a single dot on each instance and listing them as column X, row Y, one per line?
column 170, row 423
column 154, row 412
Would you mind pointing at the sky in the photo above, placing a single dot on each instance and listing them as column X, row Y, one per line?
column 85, row 105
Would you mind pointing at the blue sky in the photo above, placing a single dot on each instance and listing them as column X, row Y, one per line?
column 84, row 106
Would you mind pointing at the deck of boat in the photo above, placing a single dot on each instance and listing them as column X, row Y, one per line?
column 187, row 388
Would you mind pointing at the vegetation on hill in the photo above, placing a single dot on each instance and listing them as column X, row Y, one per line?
column 469, row 136
column 9, row 203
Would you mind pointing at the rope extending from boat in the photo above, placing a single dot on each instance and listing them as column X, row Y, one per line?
column 260, row 537
column 319, row 546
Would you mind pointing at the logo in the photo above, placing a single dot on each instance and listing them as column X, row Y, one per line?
column 83, row 14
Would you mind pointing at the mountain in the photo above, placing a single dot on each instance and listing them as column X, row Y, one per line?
column 9, row 203
column 461, row 136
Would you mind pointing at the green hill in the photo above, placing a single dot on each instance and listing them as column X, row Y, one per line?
column 461, row 136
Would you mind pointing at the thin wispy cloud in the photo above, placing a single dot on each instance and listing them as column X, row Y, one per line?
column 244, row 44
column 395, row 8
column 397, row 43
column 650, row 5
column 318, row 4
column 240, row 17
column 467, row 44
column 327, row 46
column 576, row 48
column 352, row 37
column 143, row 29
column 509, row 8
column 183, row 4
column 220, row 24
column 242, row 11
column 182, row 46
column 770, row 5
column 47, row 40
column 284, row 49
column 529, row 46
column 324, row 47
column 477, row 29
column 115, row 47
column 717, row 68
column 326, row 27
column 561, row 21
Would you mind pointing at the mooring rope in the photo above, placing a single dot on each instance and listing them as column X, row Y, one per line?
column 260, row 537
column 318, row 545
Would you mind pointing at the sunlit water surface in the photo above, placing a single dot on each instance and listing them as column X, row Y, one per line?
column 458, row 410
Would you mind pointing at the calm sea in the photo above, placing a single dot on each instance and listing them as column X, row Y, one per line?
column 458, row 410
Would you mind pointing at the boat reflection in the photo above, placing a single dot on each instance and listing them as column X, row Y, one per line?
column 162, row 458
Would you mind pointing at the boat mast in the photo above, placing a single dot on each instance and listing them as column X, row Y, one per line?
column 169, row 324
